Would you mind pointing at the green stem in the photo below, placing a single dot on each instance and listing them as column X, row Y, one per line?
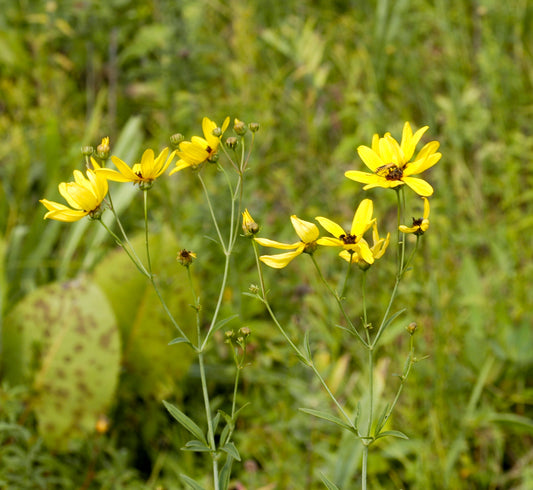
column 297, row 351
column 133, row 257
column 211, row 211
column 210, row 431
column 146, row 241
column 407, row 369
column 364, row 467
column 339, row 303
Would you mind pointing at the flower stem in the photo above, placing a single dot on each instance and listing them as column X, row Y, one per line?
column 339, row 303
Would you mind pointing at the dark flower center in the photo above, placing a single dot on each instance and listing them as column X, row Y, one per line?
column 390, row 171
column 348, row 239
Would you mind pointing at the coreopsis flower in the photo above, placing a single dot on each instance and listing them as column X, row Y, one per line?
column 420, row 225
column 143, row 173
column 392, row 163
column 352, row 242
column 308, row 234
column 84, row 196
column 378, row 249
column 249, row 226
column 199, row 150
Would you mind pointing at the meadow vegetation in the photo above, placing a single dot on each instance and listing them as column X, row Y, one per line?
column 320, row 78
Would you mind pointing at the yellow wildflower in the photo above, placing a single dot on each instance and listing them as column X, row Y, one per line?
column 308, row 234
column 378, row 249
column 143, row 173
column 352, row 242
column 391, row 162
column 84, row 196
column 420, row 225
column 198, row 150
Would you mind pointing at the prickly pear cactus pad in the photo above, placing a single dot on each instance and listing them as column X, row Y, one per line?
column 64, row 338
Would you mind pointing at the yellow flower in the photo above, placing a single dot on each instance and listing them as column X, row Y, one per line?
column 198, row 150
column 352, row 242
column 378, row 249
column 249, row 226
column 308, row 233
column 391, row 162
column 420, row 225
column 143, row 173
column 84, row 196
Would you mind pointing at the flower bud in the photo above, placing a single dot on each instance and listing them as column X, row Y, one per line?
column 249, row 226
column 411, row 328
column 217, row 132
column 245, row 331
column 232, row 142
column 176, row 139
column 239, row 127
column 254, row 127
column 87, row 151
column 253, row 288
column 186, row 257
column 103, row 149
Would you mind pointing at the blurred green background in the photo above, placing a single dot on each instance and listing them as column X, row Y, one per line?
column 320, row 77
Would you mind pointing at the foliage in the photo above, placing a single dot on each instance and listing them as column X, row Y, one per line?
column 320, row 77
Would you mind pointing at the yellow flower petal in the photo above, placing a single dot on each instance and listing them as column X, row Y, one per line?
column 280, row 260
column 421, row 187
column 308, row 232
column 362, row 219
column 330, row 226
column 370, row 158
column 266, row 242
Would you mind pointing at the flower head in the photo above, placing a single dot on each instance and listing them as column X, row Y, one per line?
column 198, row 150
column 308, row 234
column 143, row 173
column 420, row 225
column 352, row 242
column 84, row 196
column 378, row 249
column 392, row 163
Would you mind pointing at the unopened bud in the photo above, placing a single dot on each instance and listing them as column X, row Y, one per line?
column 232, row 142
column 411, row 328
column 176, row 139
column 245, row 331
column 254, row 127
column 253, row 288
column 103, row 149
column 249, row 226
column 87, row 151
column 217, row 132
column 239, row 127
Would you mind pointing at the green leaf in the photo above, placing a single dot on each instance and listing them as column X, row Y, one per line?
column 196, row 445
column 511, row 418
column 329, row 417
column 191, row 483
column 225, row 473
column 185, row 421
column 393, row 317
column 221, row 323
column 179, row 340
column 329, row 484
column 230, row 449
column 392, row 433
column 382, row 419
column 64, row 339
